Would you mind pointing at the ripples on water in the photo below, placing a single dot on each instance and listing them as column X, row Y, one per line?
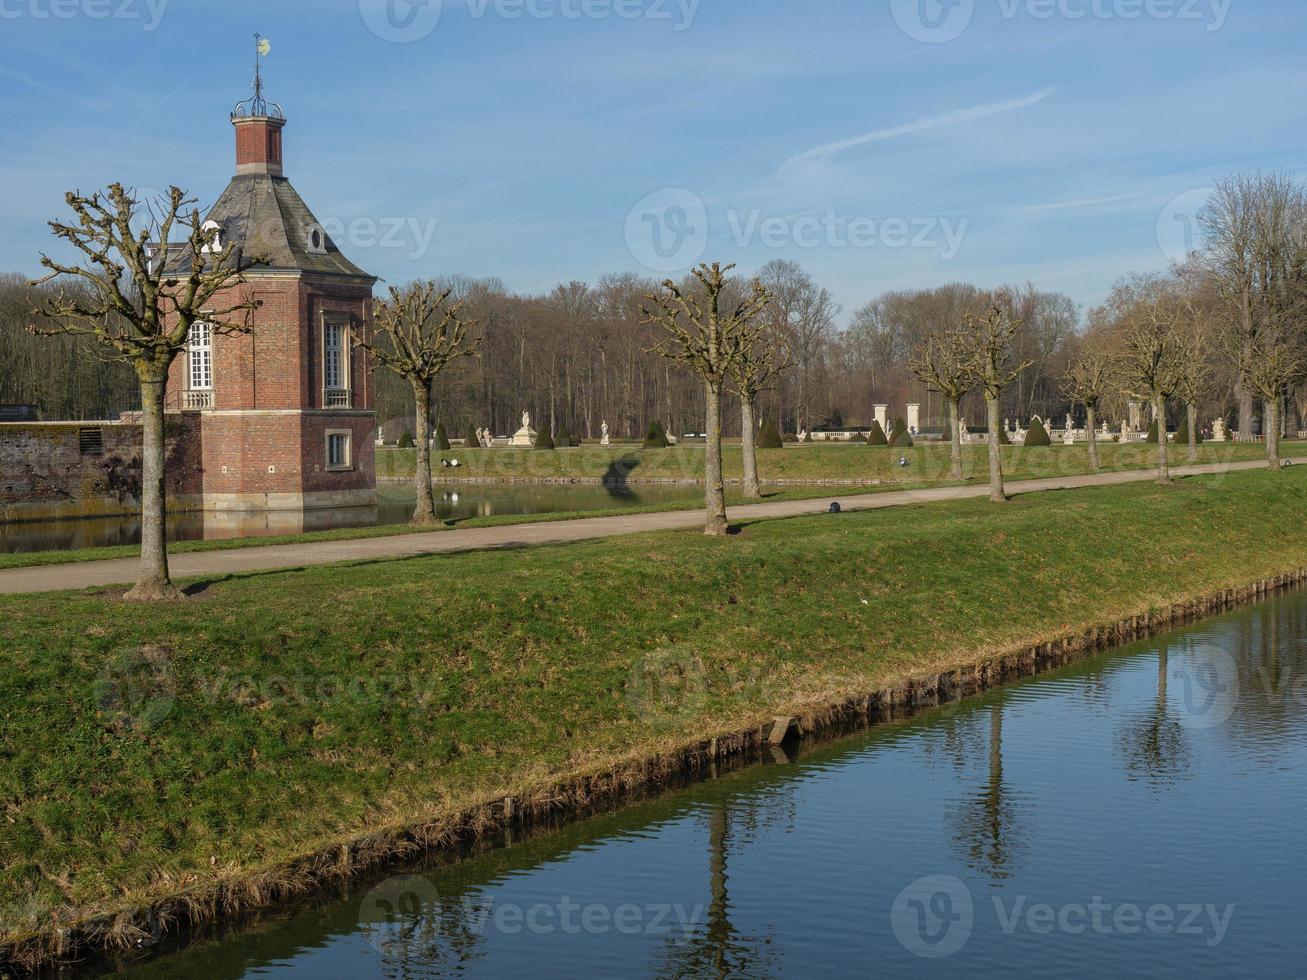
column 1167, row 778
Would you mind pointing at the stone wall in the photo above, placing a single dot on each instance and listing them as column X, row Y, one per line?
column 85, row 469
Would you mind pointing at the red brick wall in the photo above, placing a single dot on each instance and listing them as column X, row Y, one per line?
column 258, row 141
column 277, row 368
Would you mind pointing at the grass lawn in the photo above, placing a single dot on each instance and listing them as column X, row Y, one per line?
column 145, row 752
column 928, row 462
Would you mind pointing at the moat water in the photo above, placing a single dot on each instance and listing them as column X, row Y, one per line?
column 394, row 506
column 1139, row 813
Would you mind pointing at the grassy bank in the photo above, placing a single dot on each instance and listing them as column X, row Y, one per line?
column 928, row 462
column 281, row 714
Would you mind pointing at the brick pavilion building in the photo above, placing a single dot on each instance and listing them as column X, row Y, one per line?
column 280, row 418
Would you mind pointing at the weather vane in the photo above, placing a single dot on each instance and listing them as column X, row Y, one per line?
column 256, row 105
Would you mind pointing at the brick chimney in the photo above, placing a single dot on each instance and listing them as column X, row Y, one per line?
column 258, row 144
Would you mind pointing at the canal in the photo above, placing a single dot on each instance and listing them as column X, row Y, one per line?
column 1136, row 813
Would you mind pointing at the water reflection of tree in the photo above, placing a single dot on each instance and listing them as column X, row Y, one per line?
column 1153, row 743
column 1271, row 661
column 441, row 939
column 717, row 948
column 991, row 827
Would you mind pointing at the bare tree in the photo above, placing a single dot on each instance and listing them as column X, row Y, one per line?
column 1088, row 381
column 1275, row 362
column 145, row 293
column 757, row 370
column 988, row 341
column 946, row 365
column 805, row 313
column 424, row 333
column 1193, row 372
column 710, row 341
column 1255, row 250
column 1149, row 360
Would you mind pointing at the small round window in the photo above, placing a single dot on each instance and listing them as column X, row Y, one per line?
column 317, row 239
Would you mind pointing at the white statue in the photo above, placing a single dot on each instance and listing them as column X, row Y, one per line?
column 1070, row 423
column 1219, row 433
column 526, row 420
column 603, row 434
column 803, row 435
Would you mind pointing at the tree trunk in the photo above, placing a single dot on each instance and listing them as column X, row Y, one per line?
column 424, row 512
column 749, row 445
column 153, row 583
column 714, row 495
column 1093, row 438
column 996, row 492
column 1159, row 413
column 955, row 440
column 1271, row 410
column 1191, row 419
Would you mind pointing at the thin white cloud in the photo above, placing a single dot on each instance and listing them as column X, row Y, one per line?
column 955, row 118
column 1082, row 204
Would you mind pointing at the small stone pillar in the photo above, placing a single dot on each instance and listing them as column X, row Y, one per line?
column 914, row 419
column 882, row 416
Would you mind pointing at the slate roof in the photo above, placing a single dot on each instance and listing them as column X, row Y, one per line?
column 264, row 215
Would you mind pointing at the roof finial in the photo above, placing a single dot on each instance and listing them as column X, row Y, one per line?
column 256, row 105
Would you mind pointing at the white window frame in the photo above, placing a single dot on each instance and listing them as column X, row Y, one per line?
column 348, row 463
column 199, row 357
column 343, row 351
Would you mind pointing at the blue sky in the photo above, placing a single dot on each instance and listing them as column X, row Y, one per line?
column 883, row 144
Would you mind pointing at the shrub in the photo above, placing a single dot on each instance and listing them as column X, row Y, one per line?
column 1182, row 433
column 900, row 438
column 564, row 441
column 656, row 437
column 858, row 437
column 1003, row 438
column 544, row 440
column 473, row 440
column 441, row 440
column 406, row 440
column 769, row 437
column 877, row 437
column 807, row 437
column 1037, row 435
column 1152, row 432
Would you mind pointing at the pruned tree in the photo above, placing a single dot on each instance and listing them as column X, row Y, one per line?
column 423, row 332
column 1088, row 382
column 1149, row 362
column 944, row 364
column 758, row 369
column 142, row 294
column 710, row 336
column 988, row 343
